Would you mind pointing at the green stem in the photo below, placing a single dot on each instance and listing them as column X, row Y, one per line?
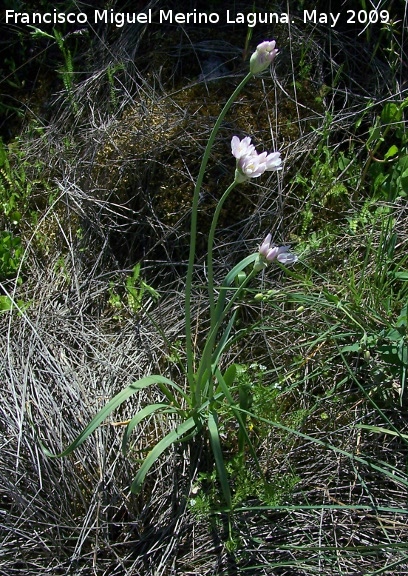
column 193, row 230
column 210, row 249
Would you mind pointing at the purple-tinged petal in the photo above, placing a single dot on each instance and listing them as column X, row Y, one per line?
column 273, row 161
column 272, row 254
column 287, row 258
column 266, row 245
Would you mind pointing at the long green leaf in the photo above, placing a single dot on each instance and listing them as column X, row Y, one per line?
column 107, row 410
column 173, row 436
column 224, row 338
column 229, row 279
column 380, row 430
column 144, row 413
column 166, row 391
column 219, row 460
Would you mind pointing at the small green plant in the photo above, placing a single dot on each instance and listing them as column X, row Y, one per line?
column 67, row 70
column 136, row 289
column 387, row 147
column 7, row 303
column 111, row 72
column 11, row 254
column 18, row 178
column 248, row 487
column 14, row 192
column 12, row 187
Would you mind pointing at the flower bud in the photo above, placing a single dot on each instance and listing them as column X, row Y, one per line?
column 263, row 56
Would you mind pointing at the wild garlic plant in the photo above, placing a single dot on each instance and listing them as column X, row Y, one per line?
column 195, row 405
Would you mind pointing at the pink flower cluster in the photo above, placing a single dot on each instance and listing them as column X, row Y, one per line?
column 250, row 164
column 268, row 253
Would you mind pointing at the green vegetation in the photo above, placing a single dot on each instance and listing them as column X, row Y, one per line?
column 275, row 439
column 135, row 289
